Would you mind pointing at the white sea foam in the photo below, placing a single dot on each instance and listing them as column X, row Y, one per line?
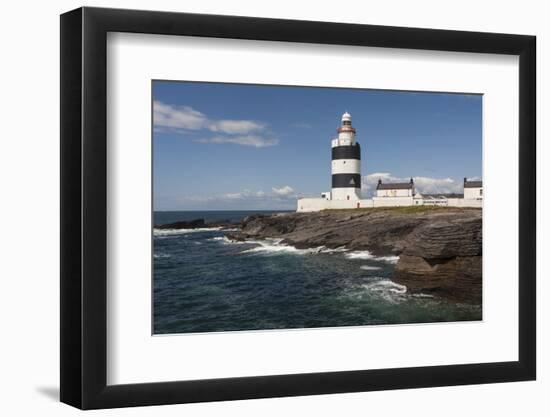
column 161, row 255
column 336, row 250
column 226, row 241
column 422, row 295
column 267, row 246
column 365, row 254
column 388, row 290
column 274, row 246
column 170, row 232
column 378, row 287
column 369, row 268
column 385, row 285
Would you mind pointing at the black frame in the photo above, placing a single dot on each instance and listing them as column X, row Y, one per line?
column 84, row 207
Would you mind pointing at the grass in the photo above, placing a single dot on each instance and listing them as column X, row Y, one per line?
column 399, row 210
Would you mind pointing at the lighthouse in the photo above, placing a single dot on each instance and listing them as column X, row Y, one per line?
column 346, row 163
column 346, row 183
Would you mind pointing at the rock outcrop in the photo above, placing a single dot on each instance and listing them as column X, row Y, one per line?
column 444, row 257
column 196, row 224
column 191, row 224
column 440, row 249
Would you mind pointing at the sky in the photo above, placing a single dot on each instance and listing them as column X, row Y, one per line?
column 219, row 146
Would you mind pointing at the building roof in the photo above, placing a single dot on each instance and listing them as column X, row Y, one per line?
column 395, row 185
column 472, row 184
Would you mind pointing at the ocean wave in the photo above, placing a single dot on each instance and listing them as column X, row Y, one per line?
column 387, row 289
column 386, row 286
column 378, row 288
column 161, row 255
column 226, row 241
column 370, row 267
column 365, row 254
column 274, row 246
column 169, row 232
column 336, row 250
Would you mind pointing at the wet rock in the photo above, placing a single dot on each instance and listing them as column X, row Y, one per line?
column 457, row 278
column 444, row 257
column 191, row 224
column 440, row 249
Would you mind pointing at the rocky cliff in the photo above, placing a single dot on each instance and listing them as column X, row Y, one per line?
column 440, row 249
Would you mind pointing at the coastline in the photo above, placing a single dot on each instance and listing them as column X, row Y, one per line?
column 438, row 250
column 435, row 250
column 302, row 270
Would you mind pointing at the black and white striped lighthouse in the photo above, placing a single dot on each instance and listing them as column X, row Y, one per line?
column 346, row 163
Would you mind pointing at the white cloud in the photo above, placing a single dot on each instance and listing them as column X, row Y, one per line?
column 235, row 126
column 182, row 117
column 426, row 185
column 244, row 140
column 284, row 196
column 239, row 196
column 429, row 185
column 177, row 118
column 284, row 191
column 378, row 175
column 240, row 132
column 233, row 196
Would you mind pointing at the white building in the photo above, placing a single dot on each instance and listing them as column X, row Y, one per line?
column 346, row 183
column 395, row 189
column 394, row 194
column 473, row 190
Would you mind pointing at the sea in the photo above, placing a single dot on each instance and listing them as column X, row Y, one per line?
column 205, row 282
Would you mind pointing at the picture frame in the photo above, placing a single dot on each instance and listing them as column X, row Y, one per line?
column 83, row 310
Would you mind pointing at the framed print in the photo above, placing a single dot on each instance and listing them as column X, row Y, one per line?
column 257, row 208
